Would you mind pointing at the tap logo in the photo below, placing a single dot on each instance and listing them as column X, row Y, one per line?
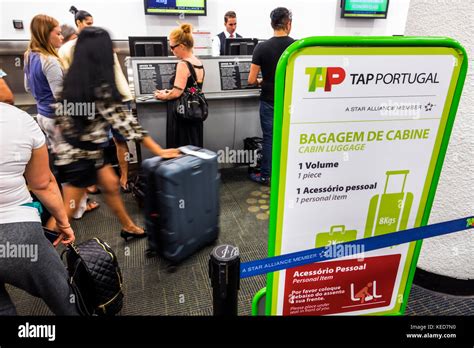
column 325, row 78
column 470, row 222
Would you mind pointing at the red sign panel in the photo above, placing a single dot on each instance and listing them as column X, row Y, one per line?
column 340, row 286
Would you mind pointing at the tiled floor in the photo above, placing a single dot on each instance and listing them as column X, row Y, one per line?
column 151, row 290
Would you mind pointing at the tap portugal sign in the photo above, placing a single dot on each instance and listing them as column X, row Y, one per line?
column 361, row 130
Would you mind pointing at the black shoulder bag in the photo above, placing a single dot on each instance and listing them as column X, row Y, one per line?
column 192, row 104
column 95, row 278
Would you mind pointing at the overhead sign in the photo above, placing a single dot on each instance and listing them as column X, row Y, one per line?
column 359, row 141
column 364, row 8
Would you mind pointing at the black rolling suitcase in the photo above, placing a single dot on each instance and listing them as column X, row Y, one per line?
column 181, row 204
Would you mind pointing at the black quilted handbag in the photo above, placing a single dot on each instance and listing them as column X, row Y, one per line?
column 95, row 277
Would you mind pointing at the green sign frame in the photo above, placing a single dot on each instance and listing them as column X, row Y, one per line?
column 437, row 45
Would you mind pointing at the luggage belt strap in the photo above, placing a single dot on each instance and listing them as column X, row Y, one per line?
column 202, row 155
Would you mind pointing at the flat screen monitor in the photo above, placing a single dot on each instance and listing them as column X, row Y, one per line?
column 240, row 46
column 148, row 46
column 364, row 8
column 175, row 7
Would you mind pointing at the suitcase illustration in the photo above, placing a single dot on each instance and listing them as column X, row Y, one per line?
column 182, row 204
column 337, row 234
column 389, row 212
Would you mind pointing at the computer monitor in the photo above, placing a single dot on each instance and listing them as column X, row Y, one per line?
column 364, row 8
column 148, row 46
column 176, row 7
column 240, row 46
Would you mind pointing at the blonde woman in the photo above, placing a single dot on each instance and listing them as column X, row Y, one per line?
column 183, row 132
column 44, row 76
column 44, row 73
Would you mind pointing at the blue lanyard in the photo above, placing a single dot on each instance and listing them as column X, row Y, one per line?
column 300, row 258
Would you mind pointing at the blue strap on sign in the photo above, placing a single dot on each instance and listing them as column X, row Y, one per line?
column 300, row 258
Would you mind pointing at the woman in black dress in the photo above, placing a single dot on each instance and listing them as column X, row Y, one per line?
column 188, row 71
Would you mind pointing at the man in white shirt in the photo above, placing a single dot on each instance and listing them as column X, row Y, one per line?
column 218, row 43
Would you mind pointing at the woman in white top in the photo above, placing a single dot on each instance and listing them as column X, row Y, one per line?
column 28, row 260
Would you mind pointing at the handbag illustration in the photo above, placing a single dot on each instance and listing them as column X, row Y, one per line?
column 337, row 234
column 389, row 212
column 192, row 104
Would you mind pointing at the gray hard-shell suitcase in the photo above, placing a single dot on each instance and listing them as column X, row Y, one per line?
column 181, row 204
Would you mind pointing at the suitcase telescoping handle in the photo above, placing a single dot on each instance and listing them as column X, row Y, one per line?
column 396, row 172
column 337, row 228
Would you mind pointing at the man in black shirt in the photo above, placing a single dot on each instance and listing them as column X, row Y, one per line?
column 265, row 58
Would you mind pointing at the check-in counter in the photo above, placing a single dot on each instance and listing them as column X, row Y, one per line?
column 11, row 60
column 233, row 105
